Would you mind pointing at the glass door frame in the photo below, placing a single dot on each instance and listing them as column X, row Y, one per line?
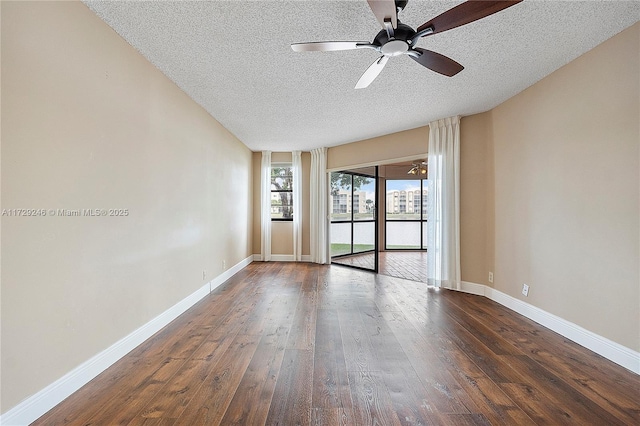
column 353, row 222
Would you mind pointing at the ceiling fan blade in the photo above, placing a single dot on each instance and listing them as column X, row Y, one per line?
column 384, row 10
column 372, row 72
column 327, row 46
column 437, row 62
column 465, row 13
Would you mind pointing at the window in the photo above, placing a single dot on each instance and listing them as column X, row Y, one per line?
column 281, row 192
column 406, row 217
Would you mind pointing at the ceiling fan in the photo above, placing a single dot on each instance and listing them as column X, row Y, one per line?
column 418, row 168
column 398, row 39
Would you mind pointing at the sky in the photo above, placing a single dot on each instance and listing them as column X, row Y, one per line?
column 393, row 185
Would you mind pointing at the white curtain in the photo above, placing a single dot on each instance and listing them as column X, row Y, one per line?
column 297, row 205
column 265, row 206
column 443, row 204
column 319, row 196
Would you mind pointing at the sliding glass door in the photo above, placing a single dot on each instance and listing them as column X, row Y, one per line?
column 354, row 229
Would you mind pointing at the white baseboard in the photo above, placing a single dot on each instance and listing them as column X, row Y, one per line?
column 282, row 258
column 38, row 404
column 615, row 352
column 473, row 288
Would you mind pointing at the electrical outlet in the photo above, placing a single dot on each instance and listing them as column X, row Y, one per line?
column 224, row 265
column 490, row 277
column 204, row 275
column 525, row 289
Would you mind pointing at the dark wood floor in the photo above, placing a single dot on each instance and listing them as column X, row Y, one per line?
column 288, row 344
column 410, row 265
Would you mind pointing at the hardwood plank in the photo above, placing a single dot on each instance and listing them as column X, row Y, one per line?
column 214, row 396
column 258, row 383
column 537, row 406
column 291, row 401
column 440, row 393
column 157, row 422
column 411, row 399
column 384, row 299
column 256, row 321
column 172, row 399
column 447, row 392
column 490, row 339
column 500, row 370
column 372, row 404
column 303, row 327
column 330, row 378
column 481, row 394
column 310, row 279
column 331, row 417
column 582, row 409
column 358, row 352
column 126, row 405
column 79, row 407
column 465, row 420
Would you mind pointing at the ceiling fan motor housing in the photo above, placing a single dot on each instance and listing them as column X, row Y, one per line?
column 402, row 33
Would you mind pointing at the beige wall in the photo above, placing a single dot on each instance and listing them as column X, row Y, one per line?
column 567, row 190
column 280, row 157
column 88, row 123
column 408, row 144
column 476, row 198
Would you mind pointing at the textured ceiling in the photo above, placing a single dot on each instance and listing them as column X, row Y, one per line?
column 234, row 59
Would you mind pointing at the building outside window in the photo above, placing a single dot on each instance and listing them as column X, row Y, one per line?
column 342, row 202
column 406, row 214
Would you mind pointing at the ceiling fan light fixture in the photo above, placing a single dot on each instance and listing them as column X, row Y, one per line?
column 395, row 48
column 418, row 168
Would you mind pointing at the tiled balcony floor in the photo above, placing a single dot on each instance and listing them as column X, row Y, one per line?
column 410, row 265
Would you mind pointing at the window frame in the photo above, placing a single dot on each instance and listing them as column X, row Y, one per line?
column 278, row 191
